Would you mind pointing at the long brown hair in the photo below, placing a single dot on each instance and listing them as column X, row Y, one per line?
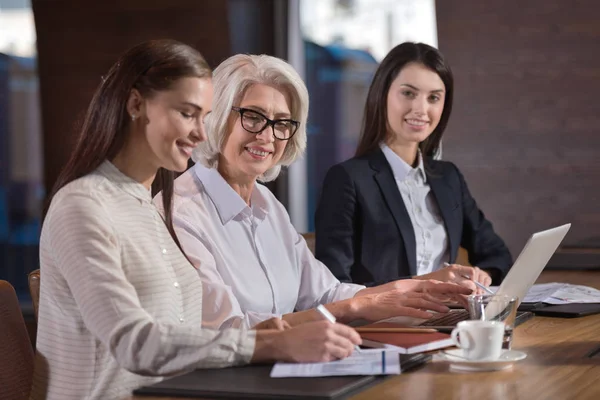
column 147, row 67
column 375, row 122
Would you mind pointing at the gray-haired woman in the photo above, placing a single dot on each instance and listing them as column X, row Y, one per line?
column 253, row 263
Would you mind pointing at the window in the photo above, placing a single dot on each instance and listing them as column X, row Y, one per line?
column 344, row 41
column 21, row 163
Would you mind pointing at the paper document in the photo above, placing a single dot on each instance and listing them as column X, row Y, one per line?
column 365, row 362
column 560, row 293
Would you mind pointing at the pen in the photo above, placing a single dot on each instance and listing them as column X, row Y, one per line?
column 329, row 317
column 479, row 285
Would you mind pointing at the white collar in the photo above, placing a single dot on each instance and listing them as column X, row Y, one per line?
column 400, row 168
column 227, row 201
column 126, row 183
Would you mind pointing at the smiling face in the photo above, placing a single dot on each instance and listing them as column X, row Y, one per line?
column 173, row 121
column 415, row 103
column 246, row 155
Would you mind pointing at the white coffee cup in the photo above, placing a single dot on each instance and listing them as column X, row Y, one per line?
column 479, row 340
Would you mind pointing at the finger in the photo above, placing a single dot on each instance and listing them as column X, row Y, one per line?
column 426, row 303
column 285, row 325
column 338, row 348
column 281, row 325
column 483, row 277
column 348, row 333
column 447, row 287
column 466, row 272
column 413, row 312
column 468, row 283
column 487, row 280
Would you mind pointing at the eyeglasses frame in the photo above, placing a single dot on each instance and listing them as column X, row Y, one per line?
column 268, row 122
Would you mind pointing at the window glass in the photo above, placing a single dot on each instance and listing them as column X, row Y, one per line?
column 344, row 42
column 21, row 163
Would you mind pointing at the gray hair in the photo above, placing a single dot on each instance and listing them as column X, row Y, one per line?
column 231, row 80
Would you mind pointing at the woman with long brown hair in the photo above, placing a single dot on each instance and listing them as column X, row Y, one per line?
column 120, row 304
column 394, row 211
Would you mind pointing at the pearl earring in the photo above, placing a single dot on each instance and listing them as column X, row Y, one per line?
column 133, row 117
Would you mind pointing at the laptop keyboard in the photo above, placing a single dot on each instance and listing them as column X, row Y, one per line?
column 455, row 316
column 448, row 319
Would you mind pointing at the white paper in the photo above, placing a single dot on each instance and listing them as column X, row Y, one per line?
column 560, row 293
column 574, row 294
column 365, row 362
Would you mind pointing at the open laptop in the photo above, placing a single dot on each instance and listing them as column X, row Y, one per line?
column 527, row 268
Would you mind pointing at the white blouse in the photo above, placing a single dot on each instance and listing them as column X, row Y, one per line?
column 423, row 210
column 253, row 263
column 120, row 306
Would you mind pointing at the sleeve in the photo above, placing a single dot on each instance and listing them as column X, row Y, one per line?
column 317, row 283
column 221, row 308
column 485, row 248
column 86, row 250
column 335, row 223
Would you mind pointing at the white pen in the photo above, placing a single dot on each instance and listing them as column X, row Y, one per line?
column 331, row 318
column 479, row 285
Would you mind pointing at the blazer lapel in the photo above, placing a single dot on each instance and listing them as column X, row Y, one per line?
column 387, row 184
column 447, row 205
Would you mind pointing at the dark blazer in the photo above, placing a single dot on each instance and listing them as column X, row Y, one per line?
column 364, row 233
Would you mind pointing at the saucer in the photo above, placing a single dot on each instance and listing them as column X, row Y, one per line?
column 457, row 362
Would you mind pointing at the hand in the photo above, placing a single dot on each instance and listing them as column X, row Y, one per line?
column 461, row 275
column 440, row 292
column 272, row 323
column 393, row 303
column 419, row 285
column 310, row 342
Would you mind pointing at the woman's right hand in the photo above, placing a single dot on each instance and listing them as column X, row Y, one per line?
column 318, row 341
column 408, row 297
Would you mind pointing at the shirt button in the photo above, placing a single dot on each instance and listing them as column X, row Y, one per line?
column 418, row 210
column 427, row 235
column 181, row 319
column 176, row 284
column 164, row 251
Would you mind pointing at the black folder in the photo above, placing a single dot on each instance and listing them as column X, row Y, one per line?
column 254, row 382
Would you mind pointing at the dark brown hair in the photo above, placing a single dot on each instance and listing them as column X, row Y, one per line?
column 149, row 67
column 375, row 123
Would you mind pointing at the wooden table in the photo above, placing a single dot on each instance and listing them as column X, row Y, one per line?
column 557, row 366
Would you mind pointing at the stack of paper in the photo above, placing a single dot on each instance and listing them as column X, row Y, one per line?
column 560, row 293
column 365, row 362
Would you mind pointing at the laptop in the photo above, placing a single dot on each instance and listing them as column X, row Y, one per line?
column 254, row 382
column 525, row 271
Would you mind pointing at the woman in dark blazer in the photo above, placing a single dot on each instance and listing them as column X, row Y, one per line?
column 393, row 211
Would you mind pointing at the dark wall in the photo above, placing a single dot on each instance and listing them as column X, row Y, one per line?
column 525, row 127
column 78, row 41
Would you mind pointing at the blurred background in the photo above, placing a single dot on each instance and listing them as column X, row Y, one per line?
column 524, row 129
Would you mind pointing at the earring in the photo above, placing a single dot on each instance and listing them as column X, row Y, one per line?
column 133, row 117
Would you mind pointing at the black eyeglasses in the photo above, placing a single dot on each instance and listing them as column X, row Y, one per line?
column 255, row 122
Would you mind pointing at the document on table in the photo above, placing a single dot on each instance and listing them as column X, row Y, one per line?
column 365, row 362
column 560, row 293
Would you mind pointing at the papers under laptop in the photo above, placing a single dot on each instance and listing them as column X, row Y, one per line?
column 527, row 268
